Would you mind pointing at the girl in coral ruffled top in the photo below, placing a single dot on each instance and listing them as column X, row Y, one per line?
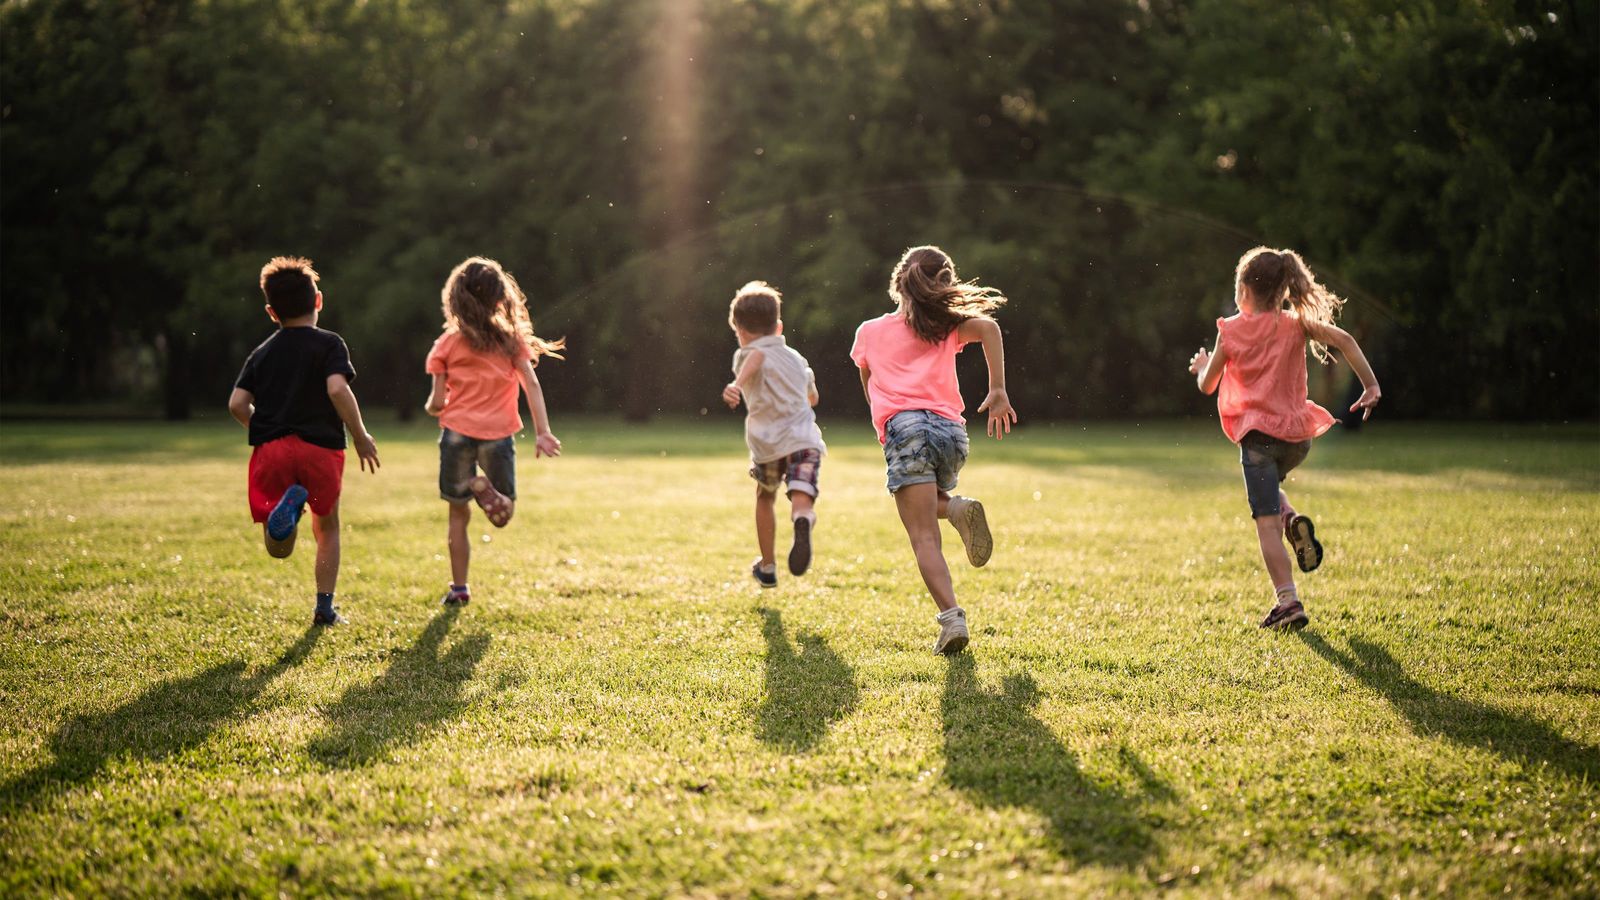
column 1260, row 364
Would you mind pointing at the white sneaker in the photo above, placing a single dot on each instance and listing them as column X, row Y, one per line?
column 966, row 515
column 952, row 634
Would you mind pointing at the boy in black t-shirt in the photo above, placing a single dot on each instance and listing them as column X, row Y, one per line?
column 294, row 396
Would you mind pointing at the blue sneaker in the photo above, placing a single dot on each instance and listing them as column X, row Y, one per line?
column 328, row 616
column 767, row 579
column 286, row 515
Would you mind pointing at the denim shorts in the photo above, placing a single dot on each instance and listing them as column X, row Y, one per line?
column 921, row 447
column 1267, row 461
column 460, row 458
column 799, row 470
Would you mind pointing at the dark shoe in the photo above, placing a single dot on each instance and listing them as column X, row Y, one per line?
column 1289, row 616
column 800, row 553
column 331, row 617
column 1302, row 536
column 286, row 515
column 766, row 579
column 454, row 597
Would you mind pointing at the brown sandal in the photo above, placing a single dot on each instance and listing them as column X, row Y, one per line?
column 496, row 506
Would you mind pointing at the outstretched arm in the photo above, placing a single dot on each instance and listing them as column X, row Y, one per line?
column 1345, row 343
column 545, row 443
column 242, row 405
column 997, row 404
column 344, row 402
column 1207, row 367
column 747, row 373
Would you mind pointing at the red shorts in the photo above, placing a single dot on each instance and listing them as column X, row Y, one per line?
column 277, row 464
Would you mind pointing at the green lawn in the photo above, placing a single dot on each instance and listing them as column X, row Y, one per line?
column 622, row 709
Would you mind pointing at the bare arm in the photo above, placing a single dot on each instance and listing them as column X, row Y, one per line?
column 1341, row 340
column 242, row 405
column 811, row 388
column 344, row 403
column 747, row 373
column 1207, row 367
column 436, row 396
column 866, row 376
column 997, row 404
column 545, row 443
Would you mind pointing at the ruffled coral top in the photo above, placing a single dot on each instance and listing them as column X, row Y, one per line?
column 1263, row 384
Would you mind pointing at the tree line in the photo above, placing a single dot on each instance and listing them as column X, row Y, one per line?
column 1103, row 163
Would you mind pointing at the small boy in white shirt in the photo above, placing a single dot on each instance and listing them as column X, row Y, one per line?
column 779, row 390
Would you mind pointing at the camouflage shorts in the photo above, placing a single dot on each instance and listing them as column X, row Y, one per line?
column 799, row 469
column 921, row 447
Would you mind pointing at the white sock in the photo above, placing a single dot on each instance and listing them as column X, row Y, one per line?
column 810, row 514
column 951, row 613
column 1287, row 594
column 769, row 567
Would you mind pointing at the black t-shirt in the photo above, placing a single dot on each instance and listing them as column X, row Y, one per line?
column 288, row 374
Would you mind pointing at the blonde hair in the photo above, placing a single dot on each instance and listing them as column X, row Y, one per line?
column 756, row 308
column 932, row 298
column 485, row 305
column 1275, row 277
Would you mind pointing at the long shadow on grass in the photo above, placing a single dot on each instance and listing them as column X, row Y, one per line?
column 420, row 691
column 998, row 752
column 167, row 719
column 806, row 691
column 1513, row 736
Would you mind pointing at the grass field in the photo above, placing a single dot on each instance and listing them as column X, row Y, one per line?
column 621, row 709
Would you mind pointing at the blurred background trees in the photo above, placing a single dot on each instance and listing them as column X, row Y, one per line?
column 1103, row 163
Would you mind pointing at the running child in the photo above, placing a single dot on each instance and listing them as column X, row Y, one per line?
column 488, row 350
column 1260, row 364
column 779, row 390
column 293, row 396
column 907, row 360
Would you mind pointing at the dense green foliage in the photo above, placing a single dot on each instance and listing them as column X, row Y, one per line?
column 1103, row 163
column 621, row 708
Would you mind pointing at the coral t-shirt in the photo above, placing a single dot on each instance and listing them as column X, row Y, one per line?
column 1263, row 384
column 907, row 372
column 480, row 388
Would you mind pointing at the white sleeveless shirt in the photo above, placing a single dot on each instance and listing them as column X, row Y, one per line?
column 779, row 419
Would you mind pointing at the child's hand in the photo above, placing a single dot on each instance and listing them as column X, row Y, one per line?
column 1199, row 361
column 730, row 395
column 367, row 449
column 1001, row 415
column 1368, row 399
column 546, row 444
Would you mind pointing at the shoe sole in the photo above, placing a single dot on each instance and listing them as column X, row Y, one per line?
column 953, row 646
column 800, row 553
column 980, row 543
column 494, row 506
column 1303, row 538
column 284, row 517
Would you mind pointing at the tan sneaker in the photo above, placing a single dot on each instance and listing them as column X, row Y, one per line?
column 952, row 635
column 966, row 514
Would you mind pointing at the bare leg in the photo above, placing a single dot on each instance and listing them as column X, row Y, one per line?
column 460, row 544
column 766, row 524
column 326, row 528
column 1284, row 507
column 801, row 504
column 944, row 505
column 1269, row 529
column 919, row 512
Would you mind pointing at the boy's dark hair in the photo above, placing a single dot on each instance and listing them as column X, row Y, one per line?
column 290, row 286
column 756, row 307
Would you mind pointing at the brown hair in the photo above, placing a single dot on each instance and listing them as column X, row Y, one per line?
column 1276, row 276
column 933, row 299
column 756, row 308
column 486, row 306
column 290, row 286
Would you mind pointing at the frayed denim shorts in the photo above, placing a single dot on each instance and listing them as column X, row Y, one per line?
column 460, row 458
column 1267, row 462
column 920, row 447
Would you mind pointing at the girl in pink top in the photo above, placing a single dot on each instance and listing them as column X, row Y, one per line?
column 488, row 350
column 907, row 360
column 1260, row 365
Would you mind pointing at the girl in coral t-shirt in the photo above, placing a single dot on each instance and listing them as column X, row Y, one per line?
column 488, row 350
column 1260, row 365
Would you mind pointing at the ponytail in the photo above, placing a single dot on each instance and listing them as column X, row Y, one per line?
column 933, row 299
column 1278, row 276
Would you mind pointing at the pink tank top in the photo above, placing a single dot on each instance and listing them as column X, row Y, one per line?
column 1264, row 380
